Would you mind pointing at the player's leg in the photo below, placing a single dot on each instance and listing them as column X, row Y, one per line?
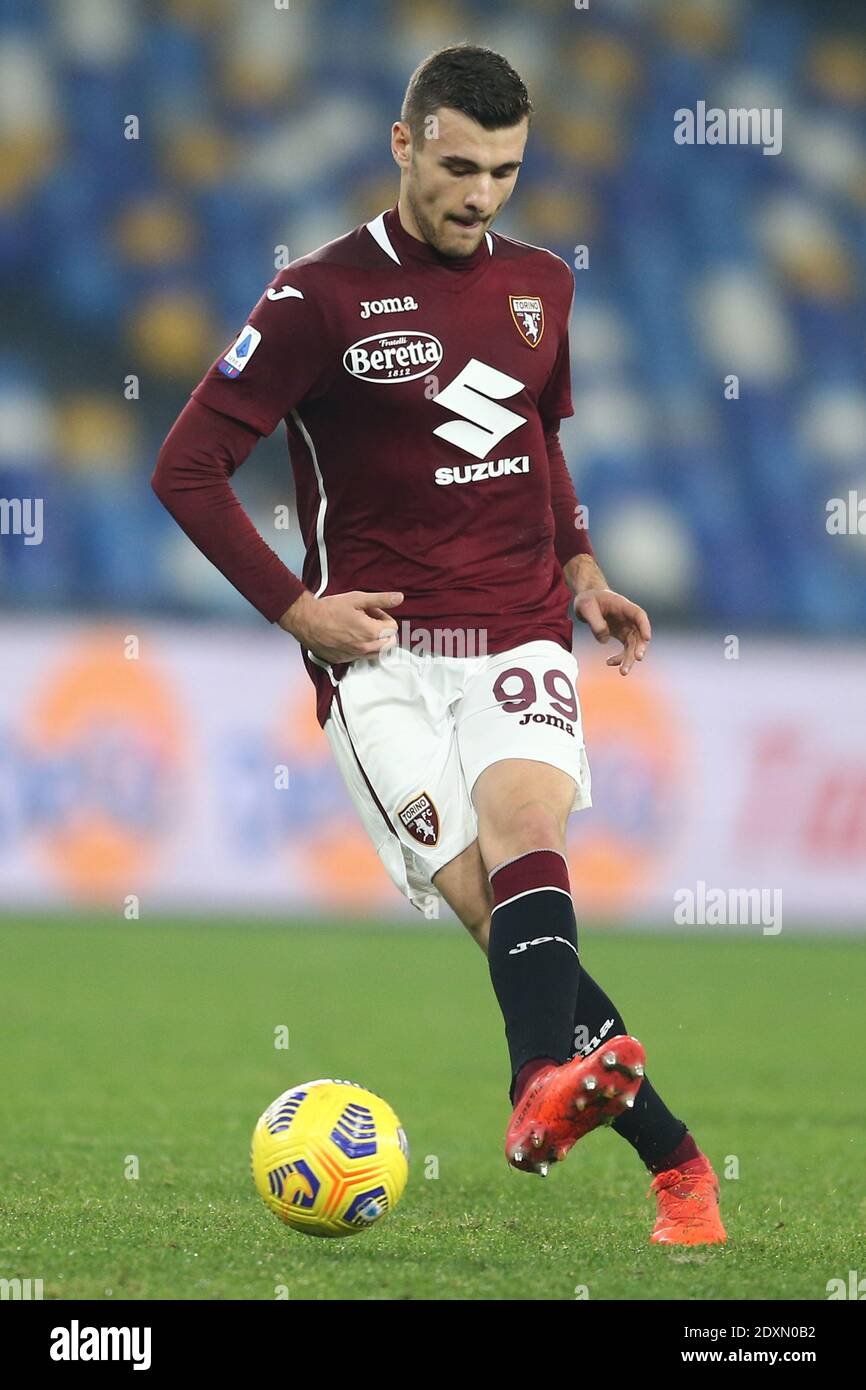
column 684, row 1183
column 522, row 807
column 685, row 1186
column 660, row 1139
column 526, row 702
column 521, row 746
column 465, row 886
column 522, row 810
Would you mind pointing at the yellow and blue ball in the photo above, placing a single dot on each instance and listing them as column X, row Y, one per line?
column 330, row 1158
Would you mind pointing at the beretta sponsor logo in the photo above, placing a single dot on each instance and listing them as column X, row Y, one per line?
column 393, row 356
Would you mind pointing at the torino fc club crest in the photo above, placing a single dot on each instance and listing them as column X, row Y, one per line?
column 421, row 819
column 528, row 313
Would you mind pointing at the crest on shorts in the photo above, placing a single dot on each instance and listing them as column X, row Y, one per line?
column 421, row 819
column 527, row 311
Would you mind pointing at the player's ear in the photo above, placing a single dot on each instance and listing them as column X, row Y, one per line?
column 401, row 143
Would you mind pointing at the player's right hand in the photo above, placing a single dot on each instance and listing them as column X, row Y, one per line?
column 341, row 628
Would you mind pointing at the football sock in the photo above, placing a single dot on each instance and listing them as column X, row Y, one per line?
column 684, row 1151
column 532, row 956
column 650, row 1128
column 525, row 1075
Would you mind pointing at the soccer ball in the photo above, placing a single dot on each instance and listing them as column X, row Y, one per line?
column 330, row 1158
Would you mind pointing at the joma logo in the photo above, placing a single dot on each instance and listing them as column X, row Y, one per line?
column 387, row 306
column 547, row 719
column 540, row 941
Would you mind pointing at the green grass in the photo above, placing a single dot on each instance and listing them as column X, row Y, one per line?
column 157, row 1041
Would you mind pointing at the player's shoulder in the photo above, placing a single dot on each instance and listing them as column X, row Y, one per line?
column 354, row 250
column 301, row 295
column 553, row 270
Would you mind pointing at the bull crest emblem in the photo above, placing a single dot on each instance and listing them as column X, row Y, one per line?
column 421, row 819
column 528, row 314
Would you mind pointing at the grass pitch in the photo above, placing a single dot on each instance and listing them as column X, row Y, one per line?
column 157, row 1042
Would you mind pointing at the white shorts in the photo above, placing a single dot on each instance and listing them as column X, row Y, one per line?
column 411, row 734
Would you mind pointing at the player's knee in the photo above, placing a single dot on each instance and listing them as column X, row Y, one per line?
column 528, row 826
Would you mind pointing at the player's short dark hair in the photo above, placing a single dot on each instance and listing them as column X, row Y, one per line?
column 480, row 83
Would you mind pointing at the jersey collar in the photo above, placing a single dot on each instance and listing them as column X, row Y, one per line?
column 388, row 232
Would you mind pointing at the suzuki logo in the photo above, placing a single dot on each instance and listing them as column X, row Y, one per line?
column 473, row 394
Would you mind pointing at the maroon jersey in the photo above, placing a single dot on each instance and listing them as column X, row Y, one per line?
column 417, row 392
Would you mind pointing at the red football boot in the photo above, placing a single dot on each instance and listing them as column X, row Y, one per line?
column 563, row 1103
column 688, row 1205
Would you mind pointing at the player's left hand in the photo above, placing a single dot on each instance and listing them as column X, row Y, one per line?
column 609, row 614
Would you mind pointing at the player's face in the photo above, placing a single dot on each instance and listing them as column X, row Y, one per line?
column 455, row 182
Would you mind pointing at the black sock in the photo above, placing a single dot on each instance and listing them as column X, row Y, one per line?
column 532, row 956
column 650, row 1127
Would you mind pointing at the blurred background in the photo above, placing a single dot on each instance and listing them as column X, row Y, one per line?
column 154, row 158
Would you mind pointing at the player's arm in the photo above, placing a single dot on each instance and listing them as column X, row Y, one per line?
column 200, row 454
column 606, row 612
column 214, row 434
column 191, row 479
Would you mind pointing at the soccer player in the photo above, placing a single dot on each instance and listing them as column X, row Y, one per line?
column 421, row 366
